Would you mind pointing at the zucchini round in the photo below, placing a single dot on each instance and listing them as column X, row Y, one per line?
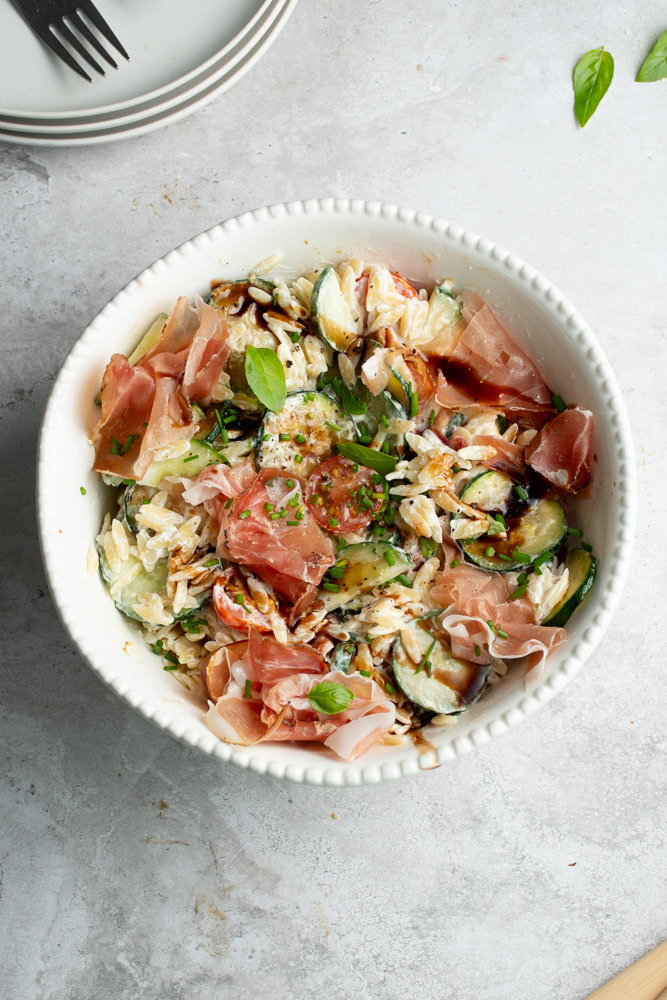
column 453, row 684
column 197, row 457
column 582, row 569
column 330, row 313
column 369, row 565
column 534, row 527
column 144, row 582
column 135, row 497
column 309, row 425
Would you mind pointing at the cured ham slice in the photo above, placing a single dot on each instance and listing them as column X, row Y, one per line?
column 509, row 457
column 148, row 407
column 487, row 368
column 269, row 660
column 236, row 720
column 298, row 552
column 220, row 480
column 561, row 451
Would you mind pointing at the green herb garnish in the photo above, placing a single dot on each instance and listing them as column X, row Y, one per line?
column 330, row 698
column 654, row 66
column 266, row 377
column 591, row 79
column 369, row 457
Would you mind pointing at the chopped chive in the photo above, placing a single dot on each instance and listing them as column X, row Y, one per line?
column 558, row 403
column 211, row 562
column 293, row 502
column 275, row 516
column 489, row 551
column 585, row 545
column 522, row 578
column 499, row 517
column 268, row 507
column 82, row 490
column 389, row 688
column 334, row 427
column 385, row 448
column 283, row 437
column 228, row 504
column 501, row 555
column 300, row 438
column 244, row 513
column 336, row 572
column 365, row 673
column 170, row 656
column 520, row 492
column 478, row 651
column 289, row 483
column 500, row 633
column 377, row 478
column 378, row 496
column 335, row 381
column 315, row 499
column 426, row 655
column 454, row 563
column 292, row 523
column 298, row 459
column 491, row 625
column 368, row 638
column 545, row 557
column 218, row 417
column 157, row 648
column 384, row 420
column 414, row 404
column 355, row 468
column 295, row 337
column 267, row 437
column 366, row 504
column 230, row 419
column 389, row 559
column 333, row 522
column 431, row 419
column 427, row 668
column 224, row 435
column 402, row 578
column 365, row 439
column 575, row 531
column 248, row 688
column 521, row 557
column 519, row 592
column 169, row 666
column 309, row 397
column 333, row 587
column 190, row 458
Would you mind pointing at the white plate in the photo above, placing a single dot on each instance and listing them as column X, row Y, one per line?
column 424, row 249
column 266, row 25
column 155, row 118
column 168, row 41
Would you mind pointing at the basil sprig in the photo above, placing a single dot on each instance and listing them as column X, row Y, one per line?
column 266, row 377
column 655, row 65
column 369, row 457
column 591, row 79
column 330, row 698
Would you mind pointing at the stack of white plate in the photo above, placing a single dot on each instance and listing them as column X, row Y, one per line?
column 183, row 53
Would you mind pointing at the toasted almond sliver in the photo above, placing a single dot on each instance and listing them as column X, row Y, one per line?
column 411, row 645
column 477, row 452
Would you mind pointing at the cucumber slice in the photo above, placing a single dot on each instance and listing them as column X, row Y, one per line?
column 330, row 313
column 536, row 526
column 582, row 569
column 143, row 582
column 313, row 416
column 197, row 457
column 453, row 684
column 397, row 385
column 135, row 497
column 149, row 339
column 369, row 565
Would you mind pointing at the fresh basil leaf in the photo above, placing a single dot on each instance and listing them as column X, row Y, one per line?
column 369, row 457
column 354, row 406
column 266, row 377
column 454, row 424
column 330, row 698
column 655, row 65
column 591, row 79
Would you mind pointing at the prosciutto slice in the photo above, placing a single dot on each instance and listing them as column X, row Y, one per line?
column 509, row 457
column 268, row 660
column 487, row 368
column 148, row 407
column 300, row 554
column 561, row 451
column 220, row 480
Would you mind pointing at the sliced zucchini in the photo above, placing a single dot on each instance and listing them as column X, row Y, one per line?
column 453, row 684
column 190, row 464
column 330, row 313
column 382, row 405
column 397, row 385
column 444, row 311
column 149, row 339
column 144, row 582
column 582, row 569
column 488, row 491
column 135, row 497
column 309, row 425
column 369, row 565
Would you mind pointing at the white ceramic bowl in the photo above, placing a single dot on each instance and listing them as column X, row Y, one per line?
column 423, row 249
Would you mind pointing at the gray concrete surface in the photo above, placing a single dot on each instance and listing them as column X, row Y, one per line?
column 534, row 869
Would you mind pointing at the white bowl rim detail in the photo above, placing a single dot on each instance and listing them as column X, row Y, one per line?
column 356, row 773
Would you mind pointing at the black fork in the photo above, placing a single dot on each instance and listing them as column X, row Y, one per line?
column 44, row 16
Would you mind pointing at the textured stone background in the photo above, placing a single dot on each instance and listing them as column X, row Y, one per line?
column 132, row 867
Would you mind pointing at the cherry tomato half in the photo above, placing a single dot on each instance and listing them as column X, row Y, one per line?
column 234, row 604
column 342, row 496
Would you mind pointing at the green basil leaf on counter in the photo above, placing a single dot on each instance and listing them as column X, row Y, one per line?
column 591, row 79
column 655, row 65
column 266, row 377
column 330, row 698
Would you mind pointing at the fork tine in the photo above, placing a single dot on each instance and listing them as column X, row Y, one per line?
column 92, row 13
column 84, row 30
column 70, row 37
column 56, row 46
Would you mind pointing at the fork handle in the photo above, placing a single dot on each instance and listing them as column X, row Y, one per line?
column 644, row 980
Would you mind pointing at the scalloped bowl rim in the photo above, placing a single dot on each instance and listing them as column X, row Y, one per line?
column 506, row 712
